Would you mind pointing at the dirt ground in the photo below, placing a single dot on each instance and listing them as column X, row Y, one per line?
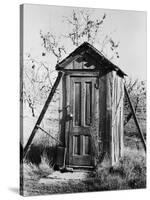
column 57, row 183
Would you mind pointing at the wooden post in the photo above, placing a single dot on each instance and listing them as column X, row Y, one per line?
column 42, row 114
column 135, row 119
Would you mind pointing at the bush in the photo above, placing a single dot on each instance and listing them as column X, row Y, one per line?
column 130, row 173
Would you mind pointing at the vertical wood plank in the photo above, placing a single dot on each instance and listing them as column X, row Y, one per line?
column 101, row 114
column 88, row 103
column 117, row 119
column 122, row 119
column 81, row 145
column 82, row 102
column 61, row 113
column 109, row 139
column 67, row 124
column 77, row 97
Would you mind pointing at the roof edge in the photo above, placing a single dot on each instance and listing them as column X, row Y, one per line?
column 115, row 67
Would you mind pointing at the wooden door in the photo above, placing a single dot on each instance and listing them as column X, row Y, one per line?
column 83, row 104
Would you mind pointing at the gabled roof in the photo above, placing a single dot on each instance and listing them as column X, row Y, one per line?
column 97, row 55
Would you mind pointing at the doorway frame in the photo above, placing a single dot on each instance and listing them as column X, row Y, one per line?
column 66, row 84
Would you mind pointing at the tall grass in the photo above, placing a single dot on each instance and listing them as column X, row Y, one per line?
column 31, row 173
column 130, row 173
column 38, row 151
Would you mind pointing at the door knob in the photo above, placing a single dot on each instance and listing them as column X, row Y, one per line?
column 71, row 115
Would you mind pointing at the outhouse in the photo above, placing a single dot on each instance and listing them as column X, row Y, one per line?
column 91, row 108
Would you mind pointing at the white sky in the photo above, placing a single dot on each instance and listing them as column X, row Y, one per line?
column 126, row 27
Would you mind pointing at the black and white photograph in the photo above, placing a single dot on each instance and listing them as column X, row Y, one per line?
column 83, row 97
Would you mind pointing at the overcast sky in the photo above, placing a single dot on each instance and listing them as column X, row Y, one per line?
column 126, row 27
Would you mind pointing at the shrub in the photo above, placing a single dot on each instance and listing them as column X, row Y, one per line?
column 130, row 173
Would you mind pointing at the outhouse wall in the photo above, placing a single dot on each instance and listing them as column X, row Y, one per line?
column 109, row 116
column 114, row 116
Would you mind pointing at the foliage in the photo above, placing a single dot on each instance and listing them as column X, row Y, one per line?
column 82, row 27
column 52, row 45
column 37, row 82
column 137, row 93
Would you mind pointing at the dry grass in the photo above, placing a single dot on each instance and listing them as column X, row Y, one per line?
column 130, row 173
column 31, row 174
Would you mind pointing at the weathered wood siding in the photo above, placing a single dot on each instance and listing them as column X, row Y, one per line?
column 114, row 116
column 108, row 125
column 117, row 118
column 107, row 129
column 103, row 139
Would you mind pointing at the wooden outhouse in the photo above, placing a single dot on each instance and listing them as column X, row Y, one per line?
column 91, row 108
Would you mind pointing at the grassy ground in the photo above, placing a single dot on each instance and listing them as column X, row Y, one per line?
column 130, row 173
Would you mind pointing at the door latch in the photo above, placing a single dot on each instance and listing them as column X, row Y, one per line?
column 97, row 83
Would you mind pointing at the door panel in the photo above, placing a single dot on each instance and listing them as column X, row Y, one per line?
column 86, row 145
column 83, row 95
column 76, row 145
column 77, row 95
column 88, row 103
